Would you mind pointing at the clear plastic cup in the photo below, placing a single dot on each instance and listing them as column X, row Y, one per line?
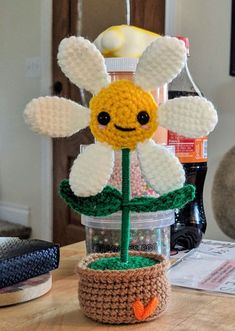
column 149, row 232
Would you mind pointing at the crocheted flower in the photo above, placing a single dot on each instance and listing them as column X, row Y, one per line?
column 122, row 114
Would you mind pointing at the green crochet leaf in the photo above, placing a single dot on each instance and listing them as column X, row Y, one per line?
column 105, row 203
column 171, row 200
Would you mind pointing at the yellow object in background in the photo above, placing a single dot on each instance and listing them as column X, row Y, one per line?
column 124, row 41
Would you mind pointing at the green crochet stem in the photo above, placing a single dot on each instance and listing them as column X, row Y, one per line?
column 110, row 200
column 125, row 229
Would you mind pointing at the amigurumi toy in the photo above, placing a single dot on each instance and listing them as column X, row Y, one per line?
column 123, row 115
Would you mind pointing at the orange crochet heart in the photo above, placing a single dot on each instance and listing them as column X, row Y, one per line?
column 141, row 312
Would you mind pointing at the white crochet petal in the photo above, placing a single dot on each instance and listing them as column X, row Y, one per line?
column 83, row 64
column 56, row 117
column 160, row 63
column 188, row 116
column 160, row 168
column 91, row 170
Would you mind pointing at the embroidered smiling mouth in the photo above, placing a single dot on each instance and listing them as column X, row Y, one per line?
column 123, row 129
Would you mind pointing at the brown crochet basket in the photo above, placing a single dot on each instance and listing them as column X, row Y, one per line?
column 108, row 295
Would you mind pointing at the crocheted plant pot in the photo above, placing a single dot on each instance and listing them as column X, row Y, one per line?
column 123, row 296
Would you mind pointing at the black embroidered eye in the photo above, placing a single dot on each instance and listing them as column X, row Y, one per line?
column 143, row 117
column 103, row 118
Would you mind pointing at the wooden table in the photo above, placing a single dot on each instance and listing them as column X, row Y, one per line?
column 59, row 309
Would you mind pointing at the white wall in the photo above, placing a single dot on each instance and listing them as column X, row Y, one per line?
column 207, row 24
column 25, row 28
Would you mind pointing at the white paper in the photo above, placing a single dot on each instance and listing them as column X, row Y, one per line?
column 211, row 267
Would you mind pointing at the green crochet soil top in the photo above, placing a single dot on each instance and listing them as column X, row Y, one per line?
column 114, row 263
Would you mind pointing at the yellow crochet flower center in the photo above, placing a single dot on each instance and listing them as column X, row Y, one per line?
column 123, row 115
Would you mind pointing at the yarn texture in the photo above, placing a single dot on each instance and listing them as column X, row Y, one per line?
column 110, row 201
column 122, row 114
column 108, row 295
column 161, row 169
column 123, row 101
column 49, row 116
column 103, row 204
column 83, row 64
column 171, row 200
column 91, row 170
column 141, row 312
column 114, row 263
column 126, row 195
column 160, row 63
column 188, row 116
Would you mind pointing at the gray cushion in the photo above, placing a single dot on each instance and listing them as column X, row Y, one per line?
column 223, row 194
